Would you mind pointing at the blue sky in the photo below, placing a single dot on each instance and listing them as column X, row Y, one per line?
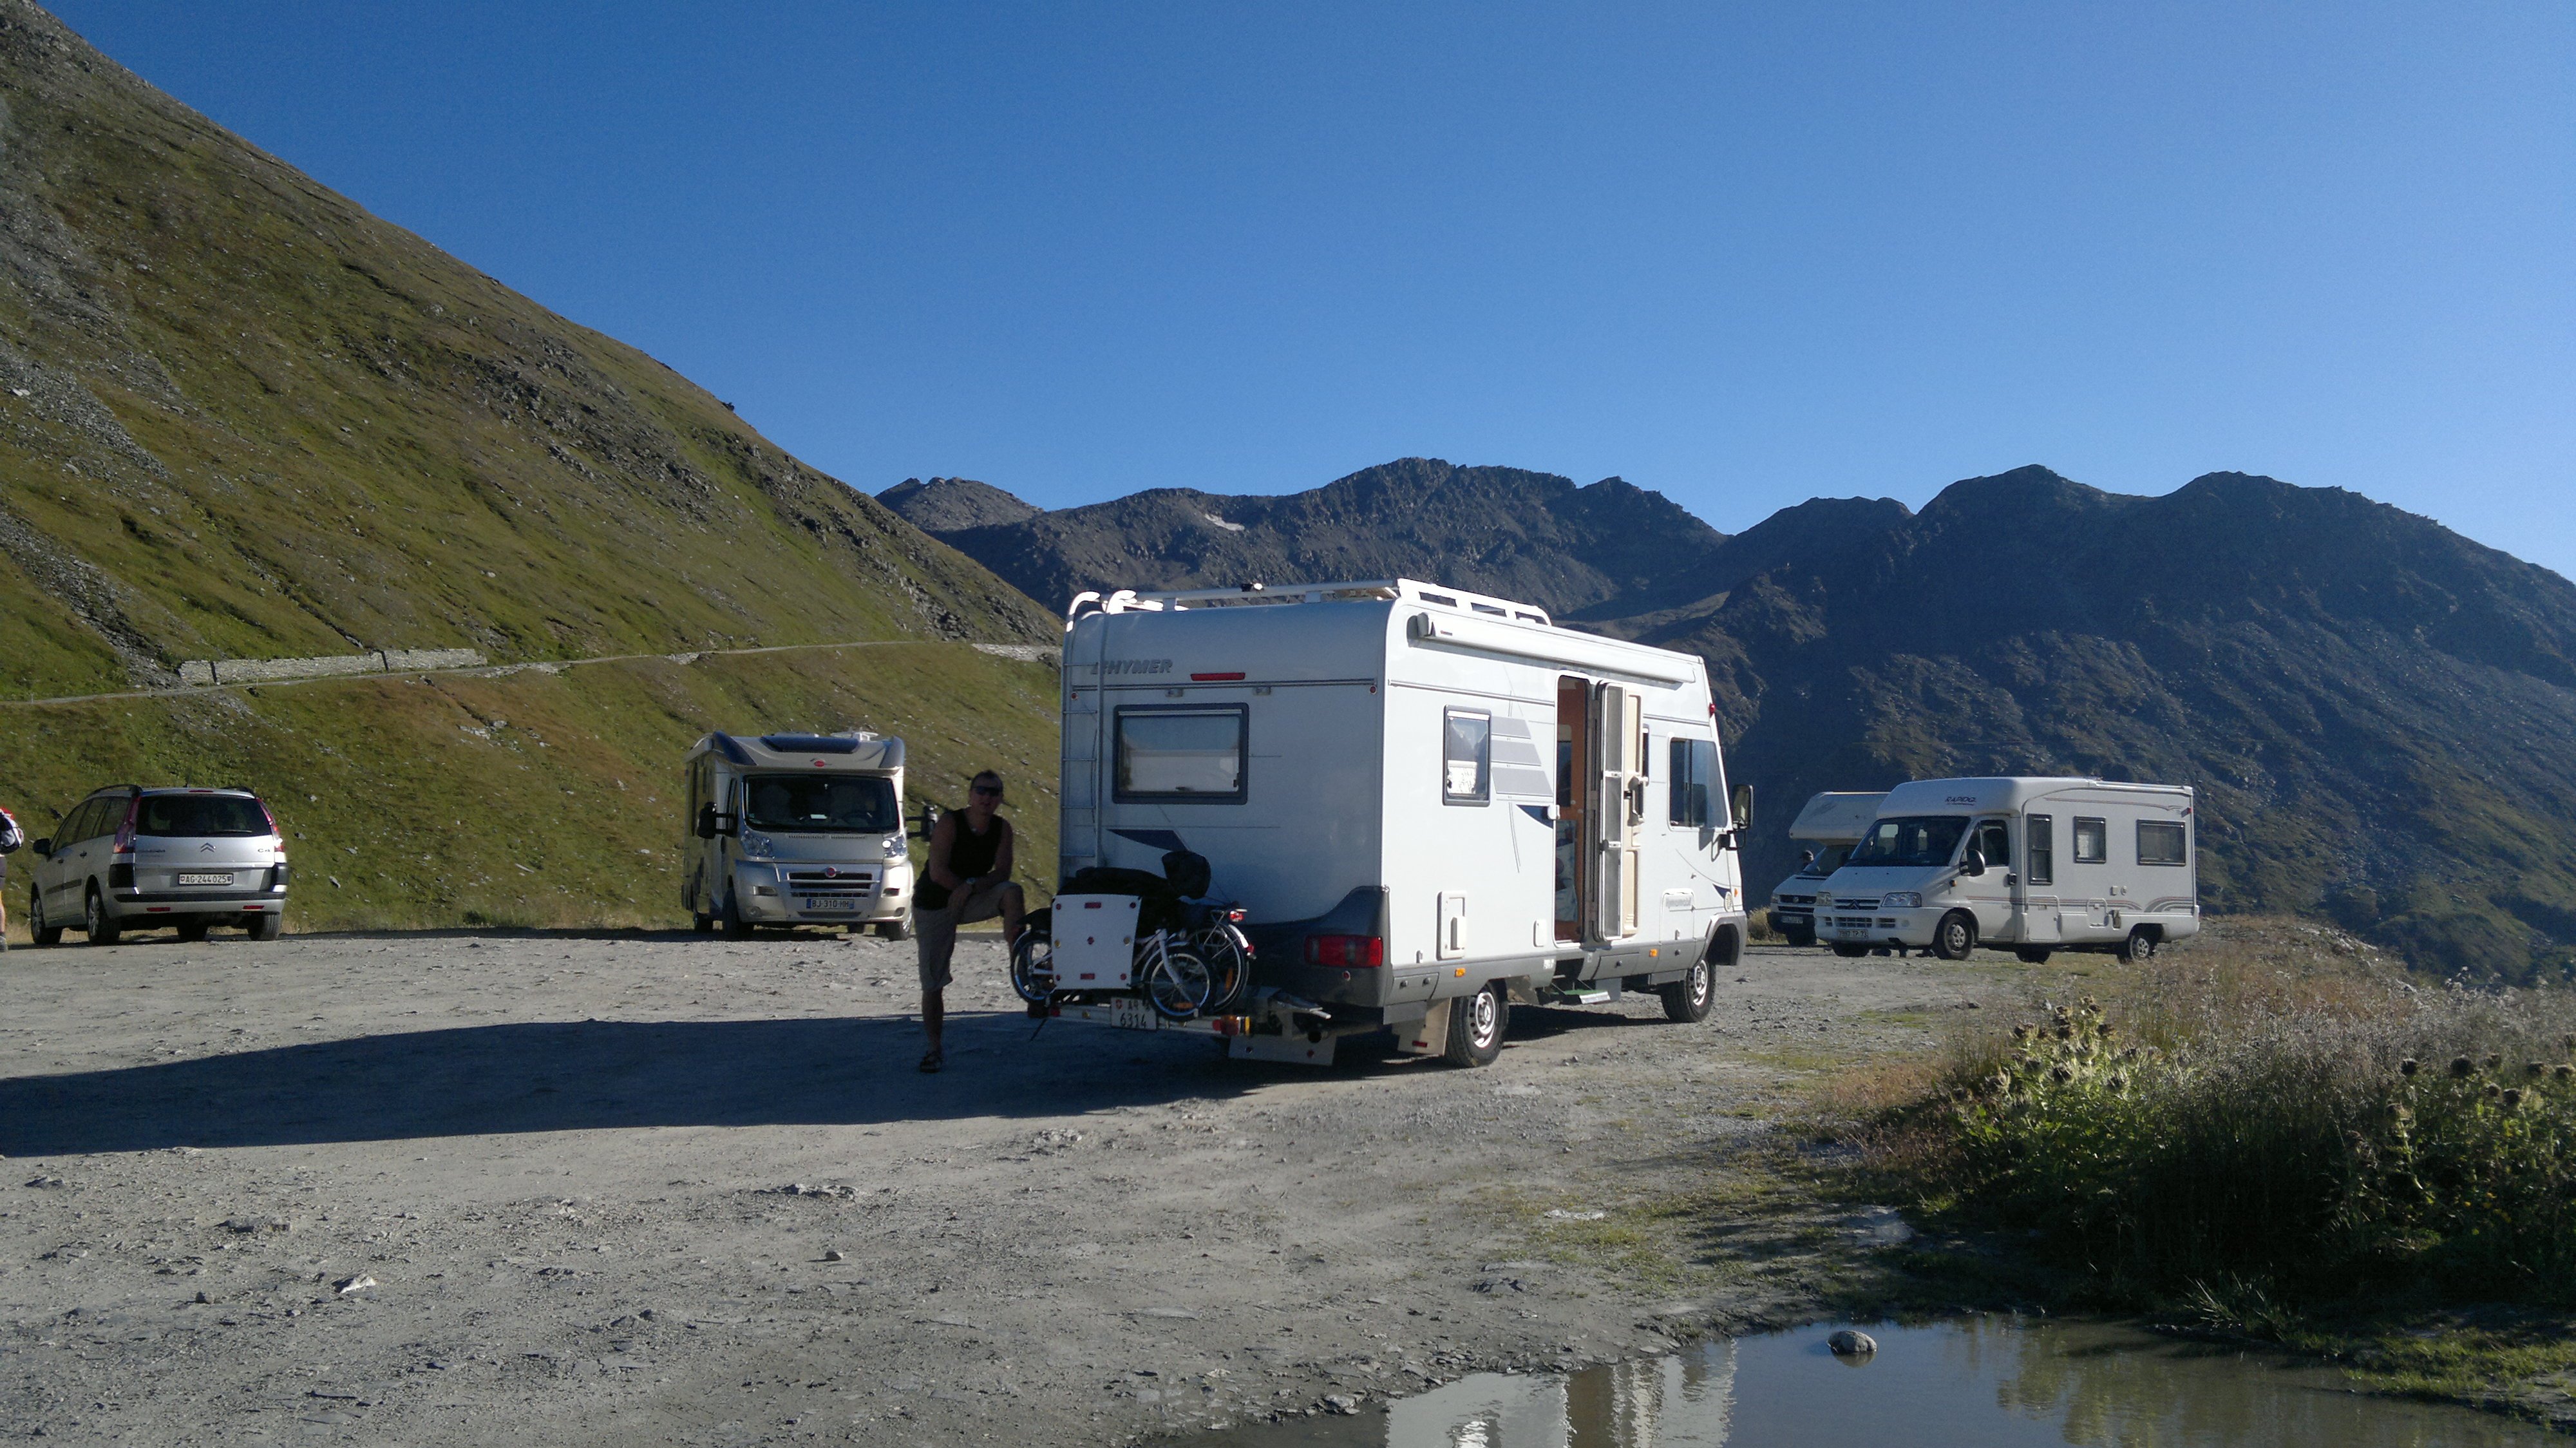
column 1741, row 254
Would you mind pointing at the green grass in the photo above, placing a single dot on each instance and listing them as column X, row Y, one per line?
column 424, row 798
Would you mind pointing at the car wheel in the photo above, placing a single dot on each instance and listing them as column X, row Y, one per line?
column 264, row 927
column 2140, row 947
column 1476, row 1026
column 2033, row 954
column 39, row 932
column 95, row 923
column 735, row 927
column 1955, row 938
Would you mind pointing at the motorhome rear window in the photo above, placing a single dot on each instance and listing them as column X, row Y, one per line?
column 1914, row 840
column 1466, row 756
column 2161, row 844
column 820, row 804
column 1694, row 782
column 2092, row 841
column 200, row 816
column 1182, row 753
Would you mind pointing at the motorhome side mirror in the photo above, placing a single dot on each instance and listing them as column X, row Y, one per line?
column 706, row 822
column 1743, row 805
column 929, row 821
column 1974, row 863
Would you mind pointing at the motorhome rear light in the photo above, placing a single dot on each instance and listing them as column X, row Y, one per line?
column 1346, row 950
column 1216, row 678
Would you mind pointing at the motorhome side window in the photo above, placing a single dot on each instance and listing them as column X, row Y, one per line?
column 1994, row 842
column 2092, row 841
column 2161, row 844
column 1694, row 782
column 2039, row 845
column 1466, row 756
column 1182, row 752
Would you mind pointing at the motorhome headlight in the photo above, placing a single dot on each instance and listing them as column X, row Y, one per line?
column 894, row 847
column 1900, row 900
column 755, row 845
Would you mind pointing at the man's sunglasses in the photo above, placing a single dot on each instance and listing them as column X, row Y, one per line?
column 994, row 790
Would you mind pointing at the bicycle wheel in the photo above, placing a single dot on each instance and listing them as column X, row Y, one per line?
column 1033, row 963
column 1229, row 965
column 1176, row 980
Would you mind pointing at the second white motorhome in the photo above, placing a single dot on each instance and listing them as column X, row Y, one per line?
column 795, row 829
column 2032, row 865
column 1430, row 803
column 1827, row 829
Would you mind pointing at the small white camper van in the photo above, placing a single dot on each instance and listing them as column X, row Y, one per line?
column 1430, row 803
column 1827, row 829
column 2034, row 865
column 788, row 829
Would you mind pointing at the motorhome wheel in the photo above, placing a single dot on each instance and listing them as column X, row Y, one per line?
column 735, row 927
column 1955, row 937
column 705, row 924
column 39, row 932
column 95, row 922
column 2032, row 954
column 2140, row 947
column 1476, row 1026
column 1799, row 938
column 1850, row 952
column 896, row 929
column 1687, row 1000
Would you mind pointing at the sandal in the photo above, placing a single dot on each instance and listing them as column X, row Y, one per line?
column 931, row 1063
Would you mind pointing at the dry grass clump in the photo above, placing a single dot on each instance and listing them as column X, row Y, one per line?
column 2279, row 1107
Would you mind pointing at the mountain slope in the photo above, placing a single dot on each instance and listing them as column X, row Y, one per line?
column 1610, row 549
column 240, row 417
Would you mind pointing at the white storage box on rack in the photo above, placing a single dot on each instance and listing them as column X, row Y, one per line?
column 1095, row 941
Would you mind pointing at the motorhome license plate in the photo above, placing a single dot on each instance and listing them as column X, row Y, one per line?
column 1129, row 1013
column 830, row 902
column 205, row 877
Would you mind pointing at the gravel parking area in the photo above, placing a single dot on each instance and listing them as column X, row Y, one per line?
column 453, row 1188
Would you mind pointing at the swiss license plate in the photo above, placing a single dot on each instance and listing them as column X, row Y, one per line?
column 205, row 877
column 1132, row 1014
column 830, row 902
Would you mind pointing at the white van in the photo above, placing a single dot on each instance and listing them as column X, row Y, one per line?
column 1429, row 802
column 1828, row 828
column 795, row 829
column 2035, row 865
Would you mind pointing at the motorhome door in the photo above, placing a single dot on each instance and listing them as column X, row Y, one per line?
column 1618, row 807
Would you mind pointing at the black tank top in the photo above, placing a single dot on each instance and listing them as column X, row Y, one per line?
column 970, row 857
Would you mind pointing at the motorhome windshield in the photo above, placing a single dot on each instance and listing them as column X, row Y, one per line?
column 815, row 803
column 1910, row 840
column 1828, row 860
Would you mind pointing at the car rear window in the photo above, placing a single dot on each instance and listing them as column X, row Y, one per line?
column 200, row 816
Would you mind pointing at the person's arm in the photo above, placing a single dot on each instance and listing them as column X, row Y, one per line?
column 1002, row 856
column 943, row 839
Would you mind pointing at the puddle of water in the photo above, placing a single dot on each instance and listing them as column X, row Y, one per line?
column 1984, row 1382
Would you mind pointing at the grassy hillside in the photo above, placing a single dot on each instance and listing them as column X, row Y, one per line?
column 241, row 417
column 538, row 798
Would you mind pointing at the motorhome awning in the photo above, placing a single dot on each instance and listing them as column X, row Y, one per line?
column 1555, row 646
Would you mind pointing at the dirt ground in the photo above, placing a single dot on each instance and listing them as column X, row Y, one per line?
column 671, row 1188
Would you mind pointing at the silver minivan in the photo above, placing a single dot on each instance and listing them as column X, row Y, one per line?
column 130, row 858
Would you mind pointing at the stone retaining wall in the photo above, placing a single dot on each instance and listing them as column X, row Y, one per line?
column 203, row 672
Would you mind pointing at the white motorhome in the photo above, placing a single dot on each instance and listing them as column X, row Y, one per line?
column 2033, row 865
column 1430, row 803
column 1827, row 829
column 790, row 829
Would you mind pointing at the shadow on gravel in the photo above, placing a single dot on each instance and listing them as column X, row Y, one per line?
column 595, row 1075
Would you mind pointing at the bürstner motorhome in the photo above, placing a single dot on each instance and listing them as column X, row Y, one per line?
column 1826, row 830
column 1429, row 803
column 790, row 829
column 2034, row 865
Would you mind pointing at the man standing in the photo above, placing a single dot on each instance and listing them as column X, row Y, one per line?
column 10, row 840
column 968, row 879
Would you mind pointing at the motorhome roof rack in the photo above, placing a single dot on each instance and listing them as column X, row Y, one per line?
column 1271, row 595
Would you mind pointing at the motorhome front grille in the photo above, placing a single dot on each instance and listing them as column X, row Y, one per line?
column 846, row 882
column 1860, row 922
column 1795, row 899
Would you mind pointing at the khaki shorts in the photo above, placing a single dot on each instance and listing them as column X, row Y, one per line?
column 935, row 931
